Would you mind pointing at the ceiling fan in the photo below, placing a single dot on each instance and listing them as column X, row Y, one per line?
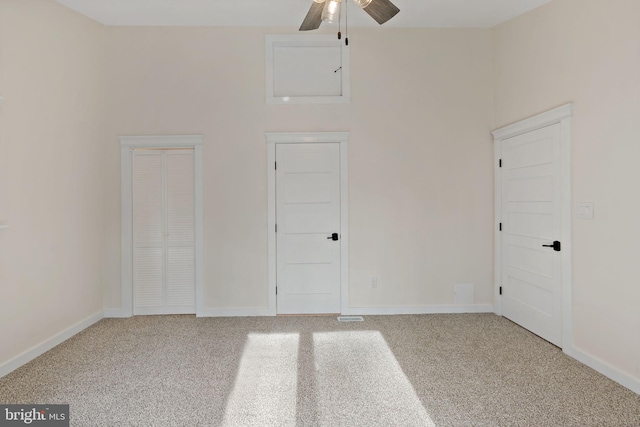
column 329, row 10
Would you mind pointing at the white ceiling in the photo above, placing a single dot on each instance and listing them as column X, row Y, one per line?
column 290, row 13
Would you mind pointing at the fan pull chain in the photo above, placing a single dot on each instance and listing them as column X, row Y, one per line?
column 346, row 23
column 340, row 21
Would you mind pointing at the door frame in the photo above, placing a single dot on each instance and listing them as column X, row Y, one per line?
column 274, row 138
column 561, row 115
column 127, row 145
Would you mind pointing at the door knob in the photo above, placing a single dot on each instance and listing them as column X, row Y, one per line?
column 334, row 236
column 556, row 246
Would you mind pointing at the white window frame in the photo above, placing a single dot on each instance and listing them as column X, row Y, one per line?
column 301, row 40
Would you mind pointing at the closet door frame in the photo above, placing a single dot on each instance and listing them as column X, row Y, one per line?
column 127, row 145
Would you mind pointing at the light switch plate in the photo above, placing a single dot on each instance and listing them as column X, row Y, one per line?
column 585, row 210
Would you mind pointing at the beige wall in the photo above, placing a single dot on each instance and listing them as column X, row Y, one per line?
column 51, row 172
column 421, row 185
column 588, row 52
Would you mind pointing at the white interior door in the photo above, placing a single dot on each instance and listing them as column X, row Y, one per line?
column 307, row 216
column 531, row 222
column 163, row 232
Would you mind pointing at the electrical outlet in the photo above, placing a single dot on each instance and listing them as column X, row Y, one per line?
column 374, row 282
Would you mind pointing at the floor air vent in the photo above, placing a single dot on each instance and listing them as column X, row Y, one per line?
column 350, row 319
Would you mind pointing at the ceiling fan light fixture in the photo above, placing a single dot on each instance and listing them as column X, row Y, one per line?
column 331, row 12
column 362, row 3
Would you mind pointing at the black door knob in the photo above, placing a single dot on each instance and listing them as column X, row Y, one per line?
column 556, row 246
column 334, row 236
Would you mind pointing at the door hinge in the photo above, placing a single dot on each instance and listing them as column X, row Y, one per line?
column 500, row 226
column 276, row 228
column 500, row 163
column 276, row 290
column 500, row 290
column 275, row 165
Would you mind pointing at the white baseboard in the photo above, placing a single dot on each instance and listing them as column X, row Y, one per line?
column 236, row 312
column 420, row 309
column 115, row 313
column 604, row 368
column 431, row 309
column 48, row 344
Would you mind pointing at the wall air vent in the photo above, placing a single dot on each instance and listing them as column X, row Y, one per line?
column 350, row 319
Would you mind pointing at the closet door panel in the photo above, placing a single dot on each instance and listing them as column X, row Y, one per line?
column 148, row 281
column 148, row 233
column 180, row 280
column 180, row 208
column 180, row 198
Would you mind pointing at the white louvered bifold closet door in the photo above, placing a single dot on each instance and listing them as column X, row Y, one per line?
column 163, row 232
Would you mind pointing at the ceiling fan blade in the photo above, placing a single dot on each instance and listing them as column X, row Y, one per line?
column 381, row 10
column 314, row 17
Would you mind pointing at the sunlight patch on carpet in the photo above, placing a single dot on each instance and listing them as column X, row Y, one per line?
column 265, row 388
column 360, row 379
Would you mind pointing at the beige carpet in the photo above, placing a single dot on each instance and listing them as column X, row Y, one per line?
column 428, row 370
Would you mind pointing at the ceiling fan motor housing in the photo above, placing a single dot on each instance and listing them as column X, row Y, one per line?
column 363, row 3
